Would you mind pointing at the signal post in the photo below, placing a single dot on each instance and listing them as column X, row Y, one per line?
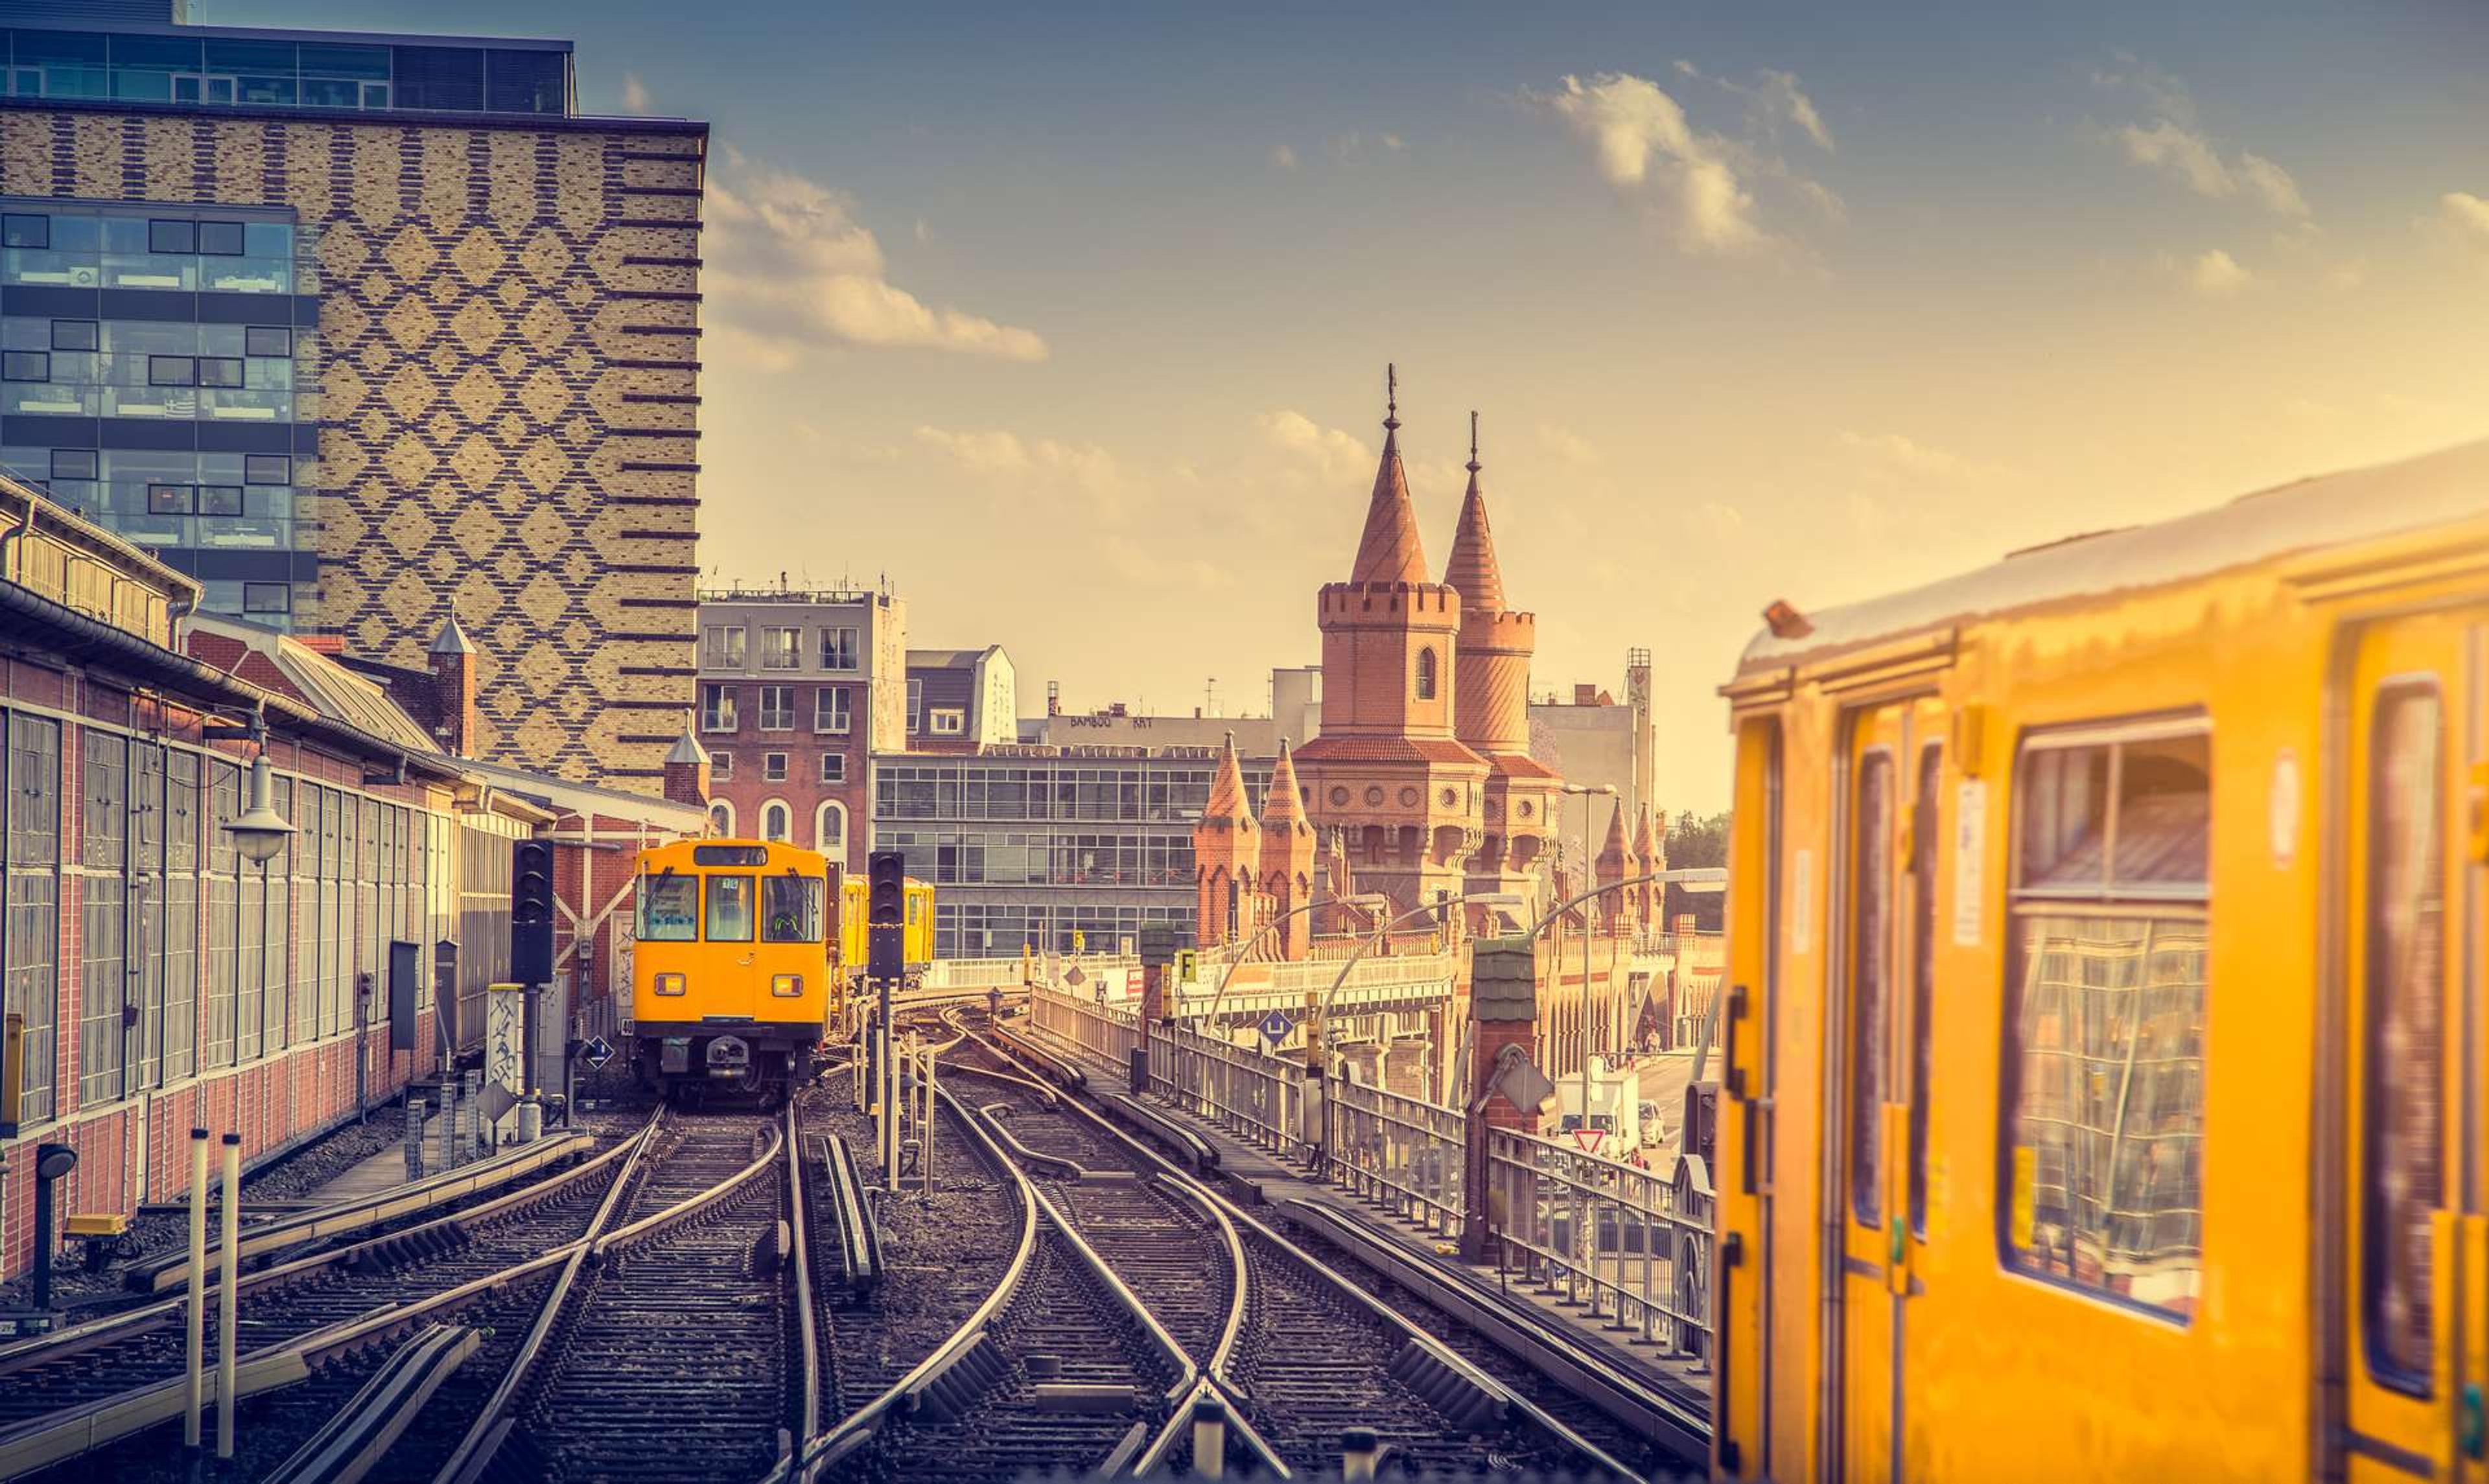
column 886, row 965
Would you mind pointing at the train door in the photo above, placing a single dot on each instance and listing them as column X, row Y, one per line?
column 2413, row 1243
column 1889, row 788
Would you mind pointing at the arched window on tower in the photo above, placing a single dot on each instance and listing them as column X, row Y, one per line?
column 773, row 820
column 720, row 818
column 1425, row 675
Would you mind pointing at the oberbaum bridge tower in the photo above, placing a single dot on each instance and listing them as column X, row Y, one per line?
column 1421, row 777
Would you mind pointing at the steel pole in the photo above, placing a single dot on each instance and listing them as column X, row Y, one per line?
column 194, row 1350
column 1590, row 873
column 228, row 1292
column 886, row 1092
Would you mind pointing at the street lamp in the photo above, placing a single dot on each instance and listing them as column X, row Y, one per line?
column 261, row 832
column 1322, row 1012
column 1374, row 903
column 1590, row 873
column 1694, row 878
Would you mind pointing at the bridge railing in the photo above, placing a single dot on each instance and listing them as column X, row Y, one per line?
column 1255, row 1096
column 1106, row 1032
column 1401, row 1152
column 1631, row 1245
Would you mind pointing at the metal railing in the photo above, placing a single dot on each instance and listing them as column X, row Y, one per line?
column 1633, row 1247
column 1104, row 1031
column 1255, row 1096
column 1404, row 1154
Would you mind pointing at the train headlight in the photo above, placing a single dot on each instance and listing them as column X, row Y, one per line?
column 669, row 983
column 787, row 985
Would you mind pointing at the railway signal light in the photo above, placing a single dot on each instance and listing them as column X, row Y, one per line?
column 886, row 917
column 531, row 911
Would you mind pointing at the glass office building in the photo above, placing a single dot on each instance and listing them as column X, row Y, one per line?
column 150, row 379
column 215, row 66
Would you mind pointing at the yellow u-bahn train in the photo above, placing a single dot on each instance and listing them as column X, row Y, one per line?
column 2103, row 1079
column 742, row 958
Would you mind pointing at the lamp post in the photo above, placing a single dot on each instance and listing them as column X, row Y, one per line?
column 1590, row 875
column 1374, row 903
column 1322, row 1012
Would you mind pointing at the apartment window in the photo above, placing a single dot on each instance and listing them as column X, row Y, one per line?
column 722, row 647
column 171, row 499
column 832, row 709
column 267, row 469
column 781, row 648
column 915, row 705
column 25, row 231
column 830, row 829
column 777, row 708
column 721, row 767
column 172, row 237
column 839, row 648
column 72, row 463
column 221, row 499
column 2109, row 910
column 267, row 340
column 834, row 768
column 717, row 708
column 773, row 825
column 219, row 370
column 172, row 371
column 773, row 767
column 220, row 239
column 948, row 721
column 73, row 335
column 266, row 598
column 26, row 366
column 721, row 819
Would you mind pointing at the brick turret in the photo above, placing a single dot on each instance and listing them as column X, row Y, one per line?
column 1226, row 855
column 1653, row 855
column 1388, row 767
column 1492, row 716
column 1288, row 857
column 1616, row 863
column 457, row 724
column 687, row 776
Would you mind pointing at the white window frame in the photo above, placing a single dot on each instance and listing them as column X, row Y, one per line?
column 840, row 769
column 915, row 705
column 729, row 713
column 829, row 810
column 773, row 767
column 762, row 710
column 720, row 766
column 711, row 651
column 839, row 654
column 793, row 654
column 842, row 704
column 727, row 807
column 949, row 721
column 782, row 806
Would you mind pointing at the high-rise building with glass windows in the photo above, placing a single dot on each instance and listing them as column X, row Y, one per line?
column 365, row 332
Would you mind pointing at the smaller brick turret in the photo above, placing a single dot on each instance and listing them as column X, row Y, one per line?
column 457, row 722
column 1616, row 863
column 687, row 776
column 1647, row 898
column 1288, row 857
column 1226, row 855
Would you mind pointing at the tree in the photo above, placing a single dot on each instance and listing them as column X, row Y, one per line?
column 1695, row 841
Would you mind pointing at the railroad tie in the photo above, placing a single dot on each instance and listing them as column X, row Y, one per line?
column 1444, row 1388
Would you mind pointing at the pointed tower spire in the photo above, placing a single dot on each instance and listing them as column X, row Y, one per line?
column 1390, row 551
column 1283, row 808
column 1473, row 570
column 1227, row 805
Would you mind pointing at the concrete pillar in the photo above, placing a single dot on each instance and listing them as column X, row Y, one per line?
column 1503, row 1012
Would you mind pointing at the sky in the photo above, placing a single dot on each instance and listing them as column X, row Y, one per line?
column 1070, row 319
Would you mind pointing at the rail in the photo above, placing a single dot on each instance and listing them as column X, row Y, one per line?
column 1631, row 1247
column 1401, row 1152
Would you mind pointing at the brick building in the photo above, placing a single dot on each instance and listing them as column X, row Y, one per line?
column 366, row 331
column 797, row 689
column 164, row 980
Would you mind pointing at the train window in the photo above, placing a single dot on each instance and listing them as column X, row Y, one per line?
column 791, row 909
column 2404, row 1175
column 1871, row 934
column 729, row 855
column 668, row 909
column 1922, row 973
column 2102, row 1152
column 729, row 909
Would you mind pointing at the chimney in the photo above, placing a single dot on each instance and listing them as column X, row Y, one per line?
column 456, row 724
column 687, row 769
column 1586, row 694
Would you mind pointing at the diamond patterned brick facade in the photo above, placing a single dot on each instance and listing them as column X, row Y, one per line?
column 509, row 360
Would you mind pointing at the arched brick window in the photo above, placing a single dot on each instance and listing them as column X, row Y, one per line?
column 1425, row 675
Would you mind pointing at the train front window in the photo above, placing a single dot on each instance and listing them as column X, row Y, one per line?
column 2103, row 1161
column 729, row 909
column 791, row 909
column 668, row 909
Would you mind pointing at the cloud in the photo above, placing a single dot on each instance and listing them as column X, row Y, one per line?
column 2215, row 273
column 1566, row 446
column 1333, row 454
column 789, row 263
column 2176, row 145
column 2465, row 216
column 1035, row 464
column 1283, row 158
column 1350, row 148
column 1892, row 455
column 635, row 94
column 1781, row 91
column 1638, row 136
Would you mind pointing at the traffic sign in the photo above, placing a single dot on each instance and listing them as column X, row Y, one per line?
column 1588, row 1139
column 1188, row 966
column 1276, row 1025
column 596, row 1053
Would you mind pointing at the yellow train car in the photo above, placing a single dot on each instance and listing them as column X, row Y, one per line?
column 2102, row 1091
column 731, row 974
column 853, row 944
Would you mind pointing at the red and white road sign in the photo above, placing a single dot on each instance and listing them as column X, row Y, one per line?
column 1588, row 1139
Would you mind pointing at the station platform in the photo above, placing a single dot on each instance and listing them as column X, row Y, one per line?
column 1255, row 1176
column 383, row 1171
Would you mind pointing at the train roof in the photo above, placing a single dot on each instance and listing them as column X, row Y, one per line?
column 2311, row 514
column 681, row 849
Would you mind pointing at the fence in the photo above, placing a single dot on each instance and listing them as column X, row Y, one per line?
column 1255, row 1096
column 1400, row 1152
column 1632, row 1246
column 1104, row 1032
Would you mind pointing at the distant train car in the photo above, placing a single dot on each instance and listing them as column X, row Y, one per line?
column 2100, row 1091
column 730, row 976
column 853, row 946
